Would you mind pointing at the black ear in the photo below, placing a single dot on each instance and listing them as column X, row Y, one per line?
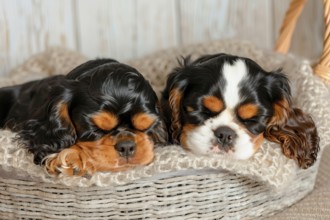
column 278, row 86
column 45, row 136
column 49, row 129
column 159, row 133
column 8, row 95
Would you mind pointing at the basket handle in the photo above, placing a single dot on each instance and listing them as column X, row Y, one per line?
column 322, row 68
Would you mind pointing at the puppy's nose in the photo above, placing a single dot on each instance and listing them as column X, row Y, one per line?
column 125, row 148
column 225, row 135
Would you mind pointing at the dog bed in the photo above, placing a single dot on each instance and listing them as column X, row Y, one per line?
column 177, row 185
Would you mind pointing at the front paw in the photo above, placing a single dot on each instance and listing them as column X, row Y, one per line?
column 70, row 162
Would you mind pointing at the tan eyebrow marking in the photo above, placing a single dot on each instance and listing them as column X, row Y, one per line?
column 105, row 120
column 143, row 121
column 213, row 103
column 247, row 111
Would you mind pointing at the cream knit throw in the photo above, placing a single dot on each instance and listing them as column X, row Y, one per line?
column 268, row 168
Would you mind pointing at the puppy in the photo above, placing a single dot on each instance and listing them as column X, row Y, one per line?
column 227, row 104
column 102, row 116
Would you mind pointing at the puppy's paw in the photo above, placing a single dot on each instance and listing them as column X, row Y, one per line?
column 69, row 162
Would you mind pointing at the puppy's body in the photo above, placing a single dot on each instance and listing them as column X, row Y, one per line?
column 228, row 104
column 102, row 116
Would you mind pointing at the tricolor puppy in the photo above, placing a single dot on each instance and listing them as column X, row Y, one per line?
column 227, row 104
column 102, row 116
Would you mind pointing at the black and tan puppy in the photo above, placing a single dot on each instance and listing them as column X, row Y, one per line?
column 102, row 116
column 227, row 104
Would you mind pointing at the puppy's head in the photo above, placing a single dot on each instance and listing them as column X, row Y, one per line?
column 106, row 108
column 116, row 113
column 227, row 104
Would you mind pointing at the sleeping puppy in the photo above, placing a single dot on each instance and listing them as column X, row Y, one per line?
column 102, row 116
column 227, row 104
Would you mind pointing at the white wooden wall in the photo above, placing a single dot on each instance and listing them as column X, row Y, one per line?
column 125, row 29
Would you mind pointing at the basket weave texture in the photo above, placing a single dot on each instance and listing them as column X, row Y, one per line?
column 177, row 184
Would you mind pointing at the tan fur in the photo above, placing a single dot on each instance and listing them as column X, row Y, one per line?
column 143, row 121
column 296, row 132
column 85, row 158
column 247, row 111
column 175, row 103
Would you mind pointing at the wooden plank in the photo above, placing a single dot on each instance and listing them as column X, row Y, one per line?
column 129, row 28
column 125, row 29
column 107, row 28
column 307, row 40
column 4, row 41
column 156, row 25
column 240, row 19
column 30, row 26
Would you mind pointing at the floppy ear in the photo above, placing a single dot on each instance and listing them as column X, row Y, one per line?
column 172, row 101
column 50, row 130
column 159, row 133
column 293, row 129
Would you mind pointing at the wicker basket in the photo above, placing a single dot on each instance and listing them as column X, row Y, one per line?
column 177, row 185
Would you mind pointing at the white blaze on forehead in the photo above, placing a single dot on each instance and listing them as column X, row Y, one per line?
column 233, row 74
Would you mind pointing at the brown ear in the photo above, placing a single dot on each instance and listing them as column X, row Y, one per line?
column 295, row 131
column 175, row 98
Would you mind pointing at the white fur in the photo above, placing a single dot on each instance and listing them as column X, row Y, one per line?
column 200, row 139
column 233, row 75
